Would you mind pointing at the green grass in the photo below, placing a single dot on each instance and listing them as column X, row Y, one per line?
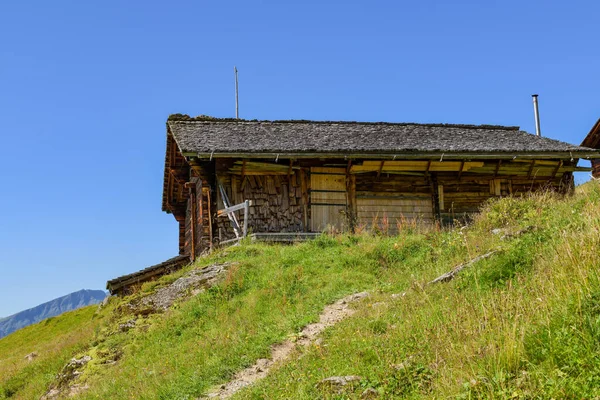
column 524, row 323
column 55, row 340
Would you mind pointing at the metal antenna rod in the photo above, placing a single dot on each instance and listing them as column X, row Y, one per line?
column 536, row 114
column 237, row 109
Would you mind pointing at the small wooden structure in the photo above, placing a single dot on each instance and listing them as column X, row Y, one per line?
column 592, row 140
column 123, row 284
column 303, row 177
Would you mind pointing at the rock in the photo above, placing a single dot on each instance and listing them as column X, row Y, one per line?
column 103, row 303
column 51, row 394
column 127, row 325
column 79, row 362
column 77, row 389
column 369, row 393
column 29, row 357
column 398, row 295
column 338, row 383
column 404, row 364
column 63, row 385
column 498, row 231
column 194, row 280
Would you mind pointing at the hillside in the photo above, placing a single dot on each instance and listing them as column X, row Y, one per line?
column 521, row 319
column 49, row 309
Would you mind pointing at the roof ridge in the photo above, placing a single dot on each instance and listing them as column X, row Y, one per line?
column 207, row 118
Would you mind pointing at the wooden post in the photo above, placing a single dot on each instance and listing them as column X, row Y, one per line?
column 210, row 228
column 351, row 197
column 193, row 218
column 304, row 198
column 246, row 214
column 192, row 198
column 435, row 197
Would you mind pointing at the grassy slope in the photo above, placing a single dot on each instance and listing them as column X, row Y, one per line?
column 55, row 340
column 523, row 324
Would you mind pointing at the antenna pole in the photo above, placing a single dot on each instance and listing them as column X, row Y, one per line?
column 237, row 109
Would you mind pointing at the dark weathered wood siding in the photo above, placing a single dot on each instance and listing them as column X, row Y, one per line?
column 317, row 194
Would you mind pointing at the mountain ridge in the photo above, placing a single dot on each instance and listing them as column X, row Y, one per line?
column 52, row 308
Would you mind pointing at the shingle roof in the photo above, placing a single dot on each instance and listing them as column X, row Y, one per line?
column 593, row 137
column 238, row 136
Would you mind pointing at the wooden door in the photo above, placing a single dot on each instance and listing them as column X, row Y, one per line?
column 328, row 198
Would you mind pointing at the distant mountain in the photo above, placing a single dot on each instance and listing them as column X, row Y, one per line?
column 52, row 308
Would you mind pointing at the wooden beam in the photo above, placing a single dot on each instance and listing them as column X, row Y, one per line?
column 231, row 209
column 433, row 155
column 179, row 175
column 380, row 168
column 460, row 171
column 497, row 168
column 530, row 169
column 560, row 164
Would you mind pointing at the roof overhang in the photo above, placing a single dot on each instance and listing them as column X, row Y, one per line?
column 593, row 137
column 405, row 155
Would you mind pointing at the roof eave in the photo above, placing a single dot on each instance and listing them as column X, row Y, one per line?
column 582, row 153
column 593, row 137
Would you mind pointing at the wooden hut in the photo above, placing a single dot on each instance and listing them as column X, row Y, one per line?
column 592, row 140
column 302, row 177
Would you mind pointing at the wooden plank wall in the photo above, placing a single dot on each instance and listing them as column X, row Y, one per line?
column 328, row 199
column 596, row 168
column 286, row 194
column 463, row 197
column 389, row 201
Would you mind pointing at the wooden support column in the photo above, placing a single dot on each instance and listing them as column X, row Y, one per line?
column 304, row 188
column 191, row 186
column 435, row 197
column 206, row 193
column 351, row 197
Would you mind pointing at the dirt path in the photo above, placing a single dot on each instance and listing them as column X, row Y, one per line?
column 331, row 315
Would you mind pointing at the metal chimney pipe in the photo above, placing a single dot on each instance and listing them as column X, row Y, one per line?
column 536, row 111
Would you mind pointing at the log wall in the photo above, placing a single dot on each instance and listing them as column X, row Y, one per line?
column 385, row 195
column 596, row 168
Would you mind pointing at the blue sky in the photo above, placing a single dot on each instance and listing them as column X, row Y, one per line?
column 86, row 87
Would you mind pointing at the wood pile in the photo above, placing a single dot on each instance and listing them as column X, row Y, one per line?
column 277, row 202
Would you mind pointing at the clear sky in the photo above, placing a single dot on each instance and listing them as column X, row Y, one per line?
column 86, row 87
